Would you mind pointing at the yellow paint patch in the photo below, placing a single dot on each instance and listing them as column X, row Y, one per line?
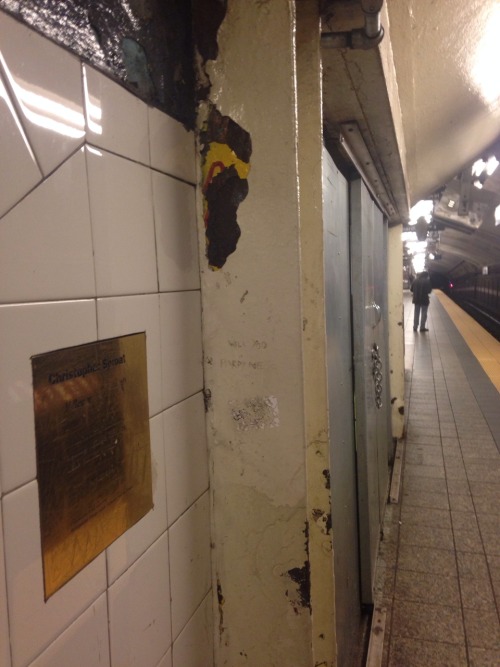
column 223, row 155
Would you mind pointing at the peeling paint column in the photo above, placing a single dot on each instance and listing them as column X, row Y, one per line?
column 394, row 244
column 252, row 331
column 396, row 329
column 310, row 147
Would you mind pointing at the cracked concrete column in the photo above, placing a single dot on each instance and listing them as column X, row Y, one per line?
column 267, row 437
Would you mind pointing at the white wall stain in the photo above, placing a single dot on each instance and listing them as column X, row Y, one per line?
column 255, row 413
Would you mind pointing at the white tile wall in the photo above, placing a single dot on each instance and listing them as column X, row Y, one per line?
column 139, row 602
column 132, row 544
column 172, row 147
column 194, row 646
column 4, row 623
column 186, row 455
column 18, row 166
column 26, row 330
column 118, row 316
column 33, row 622
column 84, row 644
column 115, row 119
column 122, row 225
column 176, row 235
column 189, row 562
column 46, row 240
column 181, row 351
column 46, row 88
column 166, row 661
column 95, row 242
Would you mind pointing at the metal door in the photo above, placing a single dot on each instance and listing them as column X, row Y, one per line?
column 341, row 413
column 369, row 313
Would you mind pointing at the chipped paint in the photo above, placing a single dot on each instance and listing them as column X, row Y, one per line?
column 323, row 520
column 302, row 577
column 225, row 153
column 145, row 45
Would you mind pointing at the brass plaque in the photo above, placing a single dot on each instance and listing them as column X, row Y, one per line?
column 92, row 450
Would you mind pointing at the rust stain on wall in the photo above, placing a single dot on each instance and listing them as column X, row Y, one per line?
column 225, row 153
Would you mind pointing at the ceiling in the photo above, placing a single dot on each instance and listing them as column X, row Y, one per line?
column 423, row 105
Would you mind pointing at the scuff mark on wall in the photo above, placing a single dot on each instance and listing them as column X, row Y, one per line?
column 225, row 151
column 207, row 399
column 220, row 600
column 256, row 413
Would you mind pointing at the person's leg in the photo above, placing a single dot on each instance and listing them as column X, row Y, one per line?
column 416, row 316
column 423, row 318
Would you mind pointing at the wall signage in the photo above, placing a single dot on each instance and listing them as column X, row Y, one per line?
column 92, row 450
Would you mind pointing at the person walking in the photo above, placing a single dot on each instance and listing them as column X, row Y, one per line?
column 421, row 288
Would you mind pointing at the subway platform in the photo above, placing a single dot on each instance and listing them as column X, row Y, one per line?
column 438, row 572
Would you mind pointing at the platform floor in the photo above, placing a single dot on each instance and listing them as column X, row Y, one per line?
column 438, row 573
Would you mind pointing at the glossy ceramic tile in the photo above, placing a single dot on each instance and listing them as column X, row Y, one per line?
column 4, row 623
column 166, row 661
column 46, row 242
column 122, row 225
column 84, row 643
column 26, row 330
column 172, row 146
column 132, row 544
column 140, row 611
column 17, row 163
column 176, row 234
column 189, row 562
column 181, row 350
column 34, row 623
column 186, row 454
column 46, row 82
column 194, row 646
column 116, row 120
column 119, row 316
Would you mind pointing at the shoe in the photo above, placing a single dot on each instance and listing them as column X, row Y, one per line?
column 424, row 329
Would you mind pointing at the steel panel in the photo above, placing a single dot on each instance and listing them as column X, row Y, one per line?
column 341, row 412
column 369, row 290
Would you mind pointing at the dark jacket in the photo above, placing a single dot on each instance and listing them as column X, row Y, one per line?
column 421, row 289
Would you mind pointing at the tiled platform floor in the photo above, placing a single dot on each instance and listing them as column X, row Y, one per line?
column 439, row 561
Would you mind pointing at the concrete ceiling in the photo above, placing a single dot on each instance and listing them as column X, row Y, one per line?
column 426, row 104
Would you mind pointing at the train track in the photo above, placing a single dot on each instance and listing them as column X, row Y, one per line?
column 486, row 319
